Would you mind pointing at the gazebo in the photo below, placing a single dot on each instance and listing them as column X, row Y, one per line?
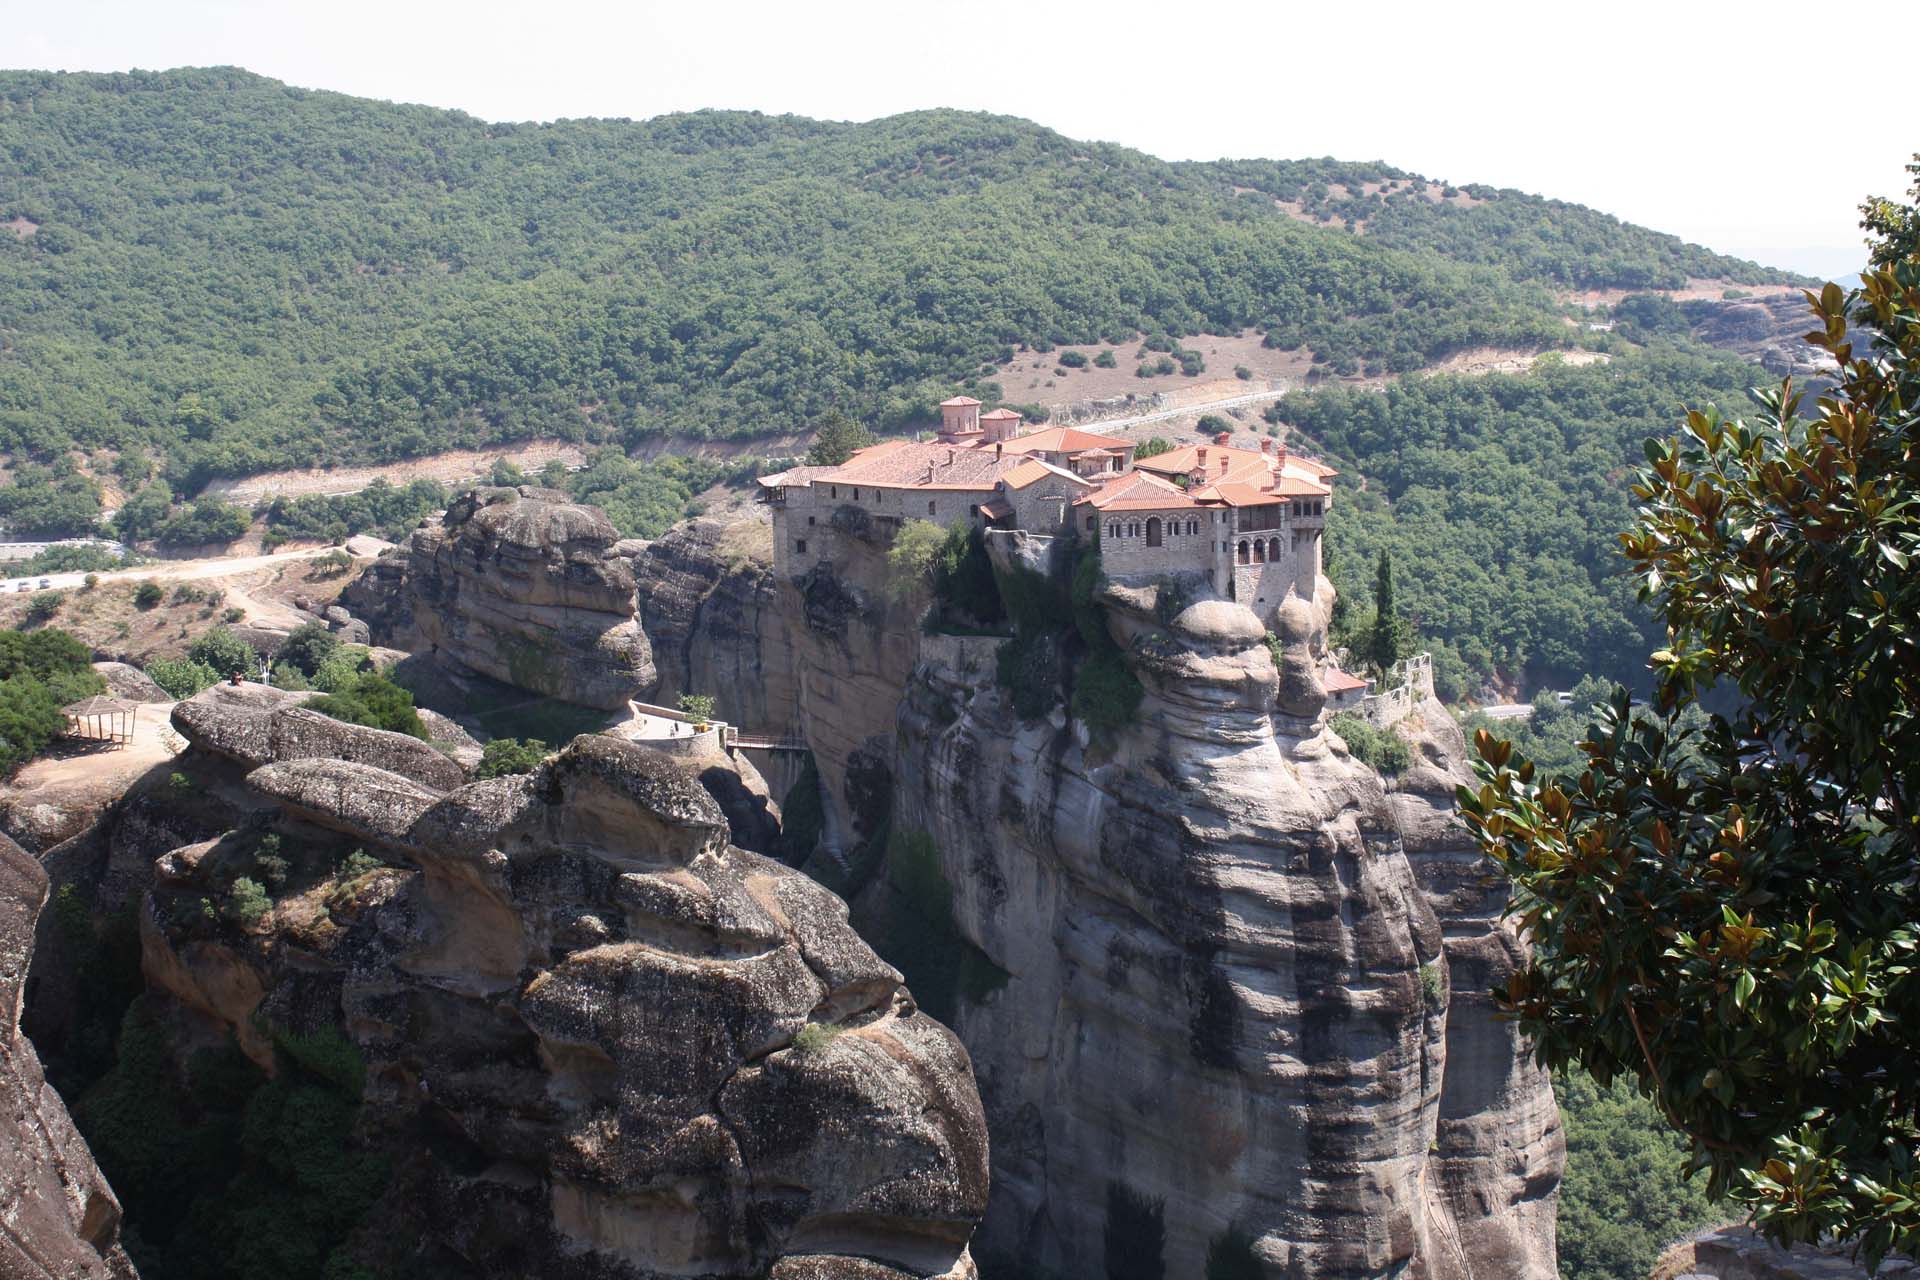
column 101, row 719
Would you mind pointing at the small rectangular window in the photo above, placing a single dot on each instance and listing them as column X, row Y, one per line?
column 800, row 546
column 930, row 507
column 809, row 519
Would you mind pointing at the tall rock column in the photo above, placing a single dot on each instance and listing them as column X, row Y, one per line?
column 58, row 1216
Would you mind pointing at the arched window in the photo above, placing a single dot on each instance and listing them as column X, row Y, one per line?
column 1259, row 551
column 835, row 491
column 1113, row 528
column 856, row 495
column 1273, row 549
column 1193, row 526
column 1153, row 531
column 1243, row 552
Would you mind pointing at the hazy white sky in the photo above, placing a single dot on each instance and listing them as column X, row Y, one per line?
column 1734, row 124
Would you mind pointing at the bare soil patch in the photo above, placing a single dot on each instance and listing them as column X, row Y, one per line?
column 21, row 226
column 106, row 620
column 80, row 776
column 1038, row 377
column 1696, row 289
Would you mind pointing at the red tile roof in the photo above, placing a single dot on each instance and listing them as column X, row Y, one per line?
column 958, row 400
column 1065, row 440
column 1138, row 491
column 1338, row 681
column 1301, row 477
column 998, row 415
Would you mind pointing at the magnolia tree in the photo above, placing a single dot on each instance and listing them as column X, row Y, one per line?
column 1727, row 915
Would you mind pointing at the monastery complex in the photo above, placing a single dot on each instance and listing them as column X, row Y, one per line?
column 1249, row 520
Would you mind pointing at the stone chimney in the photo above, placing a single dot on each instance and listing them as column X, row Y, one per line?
column 1266, row 446
column 1200, row 466
column 1223, row 438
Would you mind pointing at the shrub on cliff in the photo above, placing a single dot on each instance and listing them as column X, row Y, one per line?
column 1382, row 749
column 40, row 672
column 963, row 577
column 504, row 756
column 912, row 557
column 1135, row 1235
column 373, row 700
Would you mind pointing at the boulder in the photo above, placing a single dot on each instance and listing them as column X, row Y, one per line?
column 130, row 683
column 255, row 724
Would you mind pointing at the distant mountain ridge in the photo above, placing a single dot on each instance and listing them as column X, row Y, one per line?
column 244, row 275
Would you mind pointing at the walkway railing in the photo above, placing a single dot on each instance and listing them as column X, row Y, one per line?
column 767, row 742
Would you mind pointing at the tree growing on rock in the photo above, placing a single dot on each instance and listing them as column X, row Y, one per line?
column 1727, row 918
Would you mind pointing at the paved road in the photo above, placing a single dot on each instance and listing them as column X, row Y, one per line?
column 1161, row 415
column 1508, row 711
column 187, row 570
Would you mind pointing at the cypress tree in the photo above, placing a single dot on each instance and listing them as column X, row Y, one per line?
column 1386, row 627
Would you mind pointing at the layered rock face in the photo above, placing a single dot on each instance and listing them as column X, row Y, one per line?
column 58, row 1217
column 1230, row 955
column 644, row 1052
column 520, row 585
column 716, row 626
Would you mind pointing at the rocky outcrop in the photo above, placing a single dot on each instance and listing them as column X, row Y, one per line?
column 642, row 1051
column 58, row 1216
column 716, row 626
column 130, row 683
column 1738, row 1253
column 519, row 585
column 1229, row 953
column 255, row 724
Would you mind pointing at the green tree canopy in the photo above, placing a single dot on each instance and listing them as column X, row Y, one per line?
column 835, row 439
column 1728, row 918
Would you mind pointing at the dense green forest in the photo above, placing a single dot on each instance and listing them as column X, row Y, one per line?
column 1526, row 236
column 1499, row 499
column 1624, row 1197
column 239, row 275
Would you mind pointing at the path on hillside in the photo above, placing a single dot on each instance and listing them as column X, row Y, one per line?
column 1181, row 411
column 359, row 546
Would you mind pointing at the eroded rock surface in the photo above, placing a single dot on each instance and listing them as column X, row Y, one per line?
column 255, row 724
column 716, row 626
column 1230, row 957
column 520, row 585
column 58, row 1217
column 644, row 1051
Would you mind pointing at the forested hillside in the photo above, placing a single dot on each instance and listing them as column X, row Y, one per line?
column 1499, row 499
column 240, row 275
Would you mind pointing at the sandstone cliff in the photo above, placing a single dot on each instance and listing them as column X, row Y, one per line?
column 58, row 1217
column 638, row 1050
column 716, row 626
column 521, row 586
column 1224, row 986
column 1227, row 1006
